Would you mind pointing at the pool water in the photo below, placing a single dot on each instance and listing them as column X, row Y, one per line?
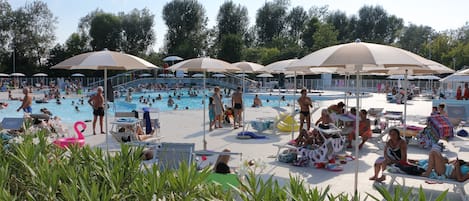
column 67, row 112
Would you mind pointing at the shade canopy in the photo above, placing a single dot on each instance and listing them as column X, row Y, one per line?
column 105, row 59
column 459, row 76
column 173, row 58
column 242, row 75
column 77, row 75
column 198, row 75
column 166, row 75
column 463, row 72
column 279, row 66
column 145, row 75
column 218, row 75
column 204, row 64
column 265, row 75
column 400, row 77
column 40, row 75
column 248, row 67
column 427, row 77
column 4, row 75
column 17, row 75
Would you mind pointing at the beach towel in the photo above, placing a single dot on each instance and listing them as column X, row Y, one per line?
column 146, row 118
column 441, row 125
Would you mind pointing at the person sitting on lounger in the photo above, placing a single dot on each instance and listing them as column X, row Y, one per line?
column 440, row 168
column 141, row 135
column 364, row 130
column 221, row 165
column 395, row 151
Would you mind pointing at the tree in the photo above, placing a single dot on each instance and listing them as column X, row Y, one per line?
column 31, row 34
column 231, row 46
column 295, row 21
column 105, row 32
column 5, row 50
column 186, row 21
column 325, row 36
column 270, row 21
column 137, row 33
column 312, row 25
column 232, row 25
column 342, row 24
column 76, row 44
column 375, row 25
column 414, row 38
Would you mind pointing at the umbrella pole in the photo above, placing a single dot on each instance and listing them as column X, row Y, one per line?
column 203, row 123
column 106, row 108
column 357, row 124
column 405, row 101
column 242, row 100
column 293, row 109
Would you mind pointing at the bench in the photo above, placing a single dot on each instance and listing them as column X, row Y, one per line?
column 458, row 186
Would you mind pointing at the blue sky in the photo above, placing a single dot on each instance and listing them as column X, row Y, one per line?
column 440, row 15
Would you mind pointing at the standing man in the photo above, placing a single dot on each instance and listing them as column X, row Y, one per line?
column 466, row 91
column 27, row 102
column 97, row 102
column 305, row 115
column 237, row 104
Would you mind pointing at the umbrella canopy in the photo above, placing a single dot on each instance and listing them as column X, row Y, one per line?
column 77, row 75
column 463, row 72
column 40, row 75
column 426, row 77
column 145, row 75
column 360, row 55
column 460, row 76
column 399, row 77
column 242, row 75
column 17, row 75
column 104, row 60
column 198, row 75
column 279, row 66
column 218, row 75
column 265, row 75
column 4, row 75
column 172, row 58
column 248, row 67
column 204, row 65
column 166, row 75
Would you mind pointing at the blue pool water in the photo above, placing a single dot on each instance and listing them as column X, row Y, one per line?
column 67, row 112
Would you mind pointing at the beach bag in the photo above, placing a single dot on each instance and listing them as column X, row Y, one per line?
column 287, row 156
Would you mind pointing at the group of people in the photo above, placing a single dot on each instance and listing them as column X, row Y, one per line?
column 463, row 95
column 217, row 111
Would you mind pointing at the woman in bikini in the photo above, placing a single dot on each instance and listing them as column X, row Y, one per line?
column 395, row 151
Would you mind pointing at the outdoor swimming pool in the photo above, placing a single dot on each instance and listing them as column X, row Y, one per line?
column 67, row 112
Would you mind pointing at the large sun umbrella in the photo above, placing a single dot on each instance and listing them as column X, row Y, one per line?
column 426, row 77
column 218, row 75
column 204, row 65
column 166, row 75
column 145, row 75
column 40, row 75
column 198, row 75
column 360, row 56
column 77, row 75
column 463, row 72
column 17, row 75
column 265, row 75
column 172, row 58
column 399, row 77
column 248, row 67
column 4, row 75
column 104, row 60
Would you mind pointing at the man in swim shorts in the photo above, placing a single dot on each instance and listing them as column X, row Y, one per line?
column 97, row 102
column 305, row 115
column 237, row 104
column 27, row 102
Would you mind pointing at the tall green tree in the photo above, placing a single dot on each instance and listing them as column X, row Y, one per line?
column 295, row 21
column 342, row 24
column 105, row 32
column 325, row 36
column 376, row 25
column 137, row 33
column 5, row 50
column 270, row 21
column 31, row 35
column 414, row 38
column 186, row 21
column 232, row 25
column 312, row 25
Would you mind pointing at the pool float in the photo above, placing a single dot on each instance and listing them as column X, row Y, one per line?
column 80, row 140
column 287, row 124
column 249, row 135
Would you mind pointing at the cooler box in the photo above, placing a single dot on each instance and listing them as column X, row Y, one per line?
column 441, row 125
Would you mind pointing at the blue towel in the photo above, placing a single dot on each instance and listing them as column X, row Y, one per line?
column 146, row 117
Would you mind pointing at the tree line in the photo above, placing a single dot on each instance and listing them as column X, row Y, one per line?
column 279, row 32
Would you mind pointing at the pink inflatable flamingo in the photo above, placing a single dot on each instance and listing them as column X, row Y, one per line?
column 65, row 142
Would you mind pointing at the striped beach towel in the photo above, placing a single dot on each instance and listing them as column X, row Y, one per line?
column 441, row 125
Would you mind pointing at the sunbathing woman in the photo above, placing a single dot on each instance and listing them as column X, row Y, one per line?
column 395, row 151
column 221, row 165
column 440, row 168
column 364, row 130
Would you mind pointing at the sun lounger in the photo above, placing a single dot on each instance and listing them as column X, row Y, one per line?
column 171, row 155
column 12, row 123
column 283, row 146
column 457, row 115
column 458, row 186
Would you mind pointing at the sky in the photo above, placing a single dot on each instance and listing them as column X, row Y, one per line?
column 440, row 15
